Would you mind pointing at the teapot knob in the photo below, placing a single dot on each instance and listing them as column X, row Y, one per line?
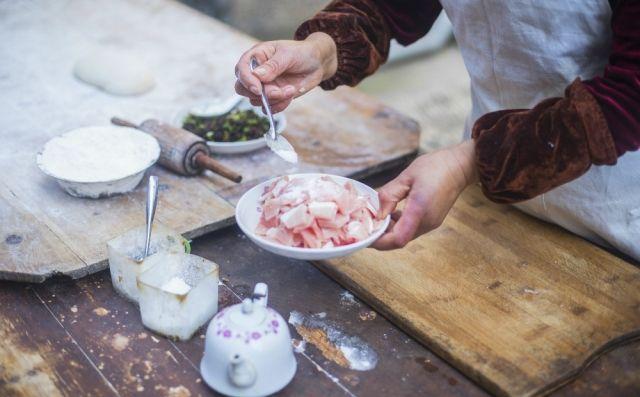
column 261, row 294
column 247, row 306
column 241, row 372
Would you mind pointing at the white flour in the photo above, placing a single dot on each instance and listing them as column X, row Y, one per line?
column 282, row 148
column 299, row 346
column 347, row 299
column 98, row 154
column 359, row 354
column 287, row 155
column 177, row 286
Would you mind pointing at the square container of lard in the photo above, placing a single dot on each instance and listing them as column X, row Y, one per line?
column 124, row 249
column 178, row 294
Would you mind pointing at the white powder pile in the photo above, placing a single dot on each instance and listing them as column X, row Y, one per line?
column 347, row 299
column 359, row 354
column 296, row 318
column 176, row 285
column 283, row 148
column 98, row 154
column 299, row 346
column 288, row 155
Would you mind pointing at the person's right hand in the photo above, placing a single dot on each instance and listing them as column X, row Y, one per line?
column 287, row 69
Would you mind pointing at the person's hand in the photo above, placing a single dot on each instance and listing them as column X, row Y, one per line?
column 287, row 69
column 430, row 185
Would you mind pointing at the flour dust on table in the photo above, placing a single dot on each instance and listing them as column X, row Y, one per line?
column 346, row 350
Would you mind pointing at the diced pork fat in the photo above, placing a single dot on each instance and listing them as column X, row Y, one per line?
column 315, row 213
column 296, row 217
column 357, row 231
column 323, row 209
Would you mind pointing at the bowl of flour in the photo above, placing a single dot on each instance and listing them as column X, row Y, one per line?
column 98, row 161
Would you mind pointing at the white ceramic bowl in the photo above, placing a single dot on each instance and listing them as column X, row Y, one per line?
column 248, row 216
column 222, row 107
column 98, row 161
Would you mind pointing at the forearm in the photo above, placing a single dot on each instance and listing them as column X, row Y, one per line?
column 464, row 157
column 326, row 52
column 362, row 31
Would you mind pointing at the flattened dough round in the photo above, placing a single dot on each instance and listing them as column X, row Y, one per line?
column 115, row 72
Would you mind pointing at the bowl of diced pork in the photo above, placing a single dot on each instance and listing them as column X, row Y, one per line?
column 311, row 216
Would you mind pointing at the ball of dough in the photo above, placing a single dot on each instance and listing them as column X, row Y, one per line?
column 115, row 72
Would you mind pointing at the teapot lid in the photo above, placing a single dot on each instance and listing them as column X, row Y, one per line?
column 252, row 312
column 247, row 314
column 250, row 320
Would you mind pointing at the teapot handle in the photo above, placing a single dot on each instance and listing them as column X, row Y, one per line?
column 261, row 294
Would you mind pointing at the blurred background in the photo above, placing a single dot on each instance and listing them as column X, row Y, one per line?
column 426, row 80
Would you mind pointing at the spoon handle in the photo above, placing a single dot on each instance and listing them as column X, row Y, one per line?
column 265, row 103
column 152, row 201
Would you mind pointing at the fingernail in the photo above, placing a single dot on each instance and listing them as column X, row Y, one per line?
column 260, row 71
column 255, row 89
column 302, row 90
column 274, row 92
column 289, row 90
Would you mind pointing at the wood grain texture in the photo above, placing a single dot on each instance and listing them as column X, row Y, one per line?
column 518, row 305
column 77, row 229
column 29, row 250
column 193, row 57
column 107, row 327
column 38, row 357
column 62, row 318
column 404, row 368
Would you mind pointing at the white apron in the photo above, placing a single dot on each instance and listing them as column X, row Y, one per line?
column 518, row 52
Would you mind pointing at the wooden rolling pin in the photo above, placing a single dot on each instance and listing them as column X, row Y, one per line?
column 180, row 150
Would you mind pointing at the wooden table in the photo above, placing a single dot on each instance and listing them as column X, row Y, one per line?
column 341, row 132
column 77, row 338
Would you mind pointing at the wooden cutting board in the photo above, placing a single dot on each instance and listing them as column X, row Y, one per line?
column 44, row 231
column 518, row 305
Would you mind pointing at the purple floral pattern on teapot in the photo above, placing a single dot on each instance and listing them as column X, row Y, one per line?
column 270, row 326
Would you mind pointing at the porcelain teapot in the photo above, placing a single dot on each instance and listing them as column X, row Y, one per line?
column 248, row 349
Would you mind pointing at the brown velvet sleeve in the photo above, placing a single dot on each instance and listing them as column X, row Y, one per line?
column 361, row 34
column 363, row 29
column 523, row 153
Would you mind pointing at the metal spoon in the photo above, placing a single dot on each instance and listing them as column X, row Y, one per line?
column 152, row 201
column 276, row 142
column 272, row 128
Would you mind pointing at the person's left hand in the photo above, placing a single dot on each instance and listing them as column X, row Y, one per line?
column 430, row 185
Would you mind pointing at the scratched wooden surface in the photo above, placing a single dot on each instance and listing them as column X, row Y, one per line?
column 517, row 304
column 78, row 338
column 193, row 56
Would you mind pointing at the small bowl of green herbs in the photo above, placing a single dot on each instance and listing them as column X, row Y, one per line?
column 229, row 126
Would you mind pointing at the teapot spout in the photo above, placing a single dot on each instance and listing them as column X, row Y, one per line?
column 241, row 372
